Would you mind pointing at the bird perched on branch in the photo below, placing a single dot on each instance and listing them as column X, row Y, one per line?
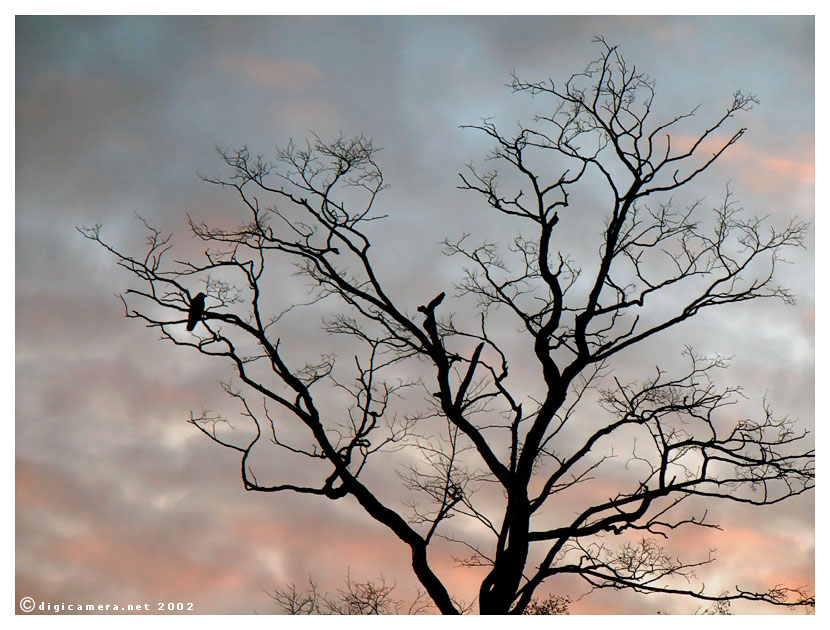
column 197, row 309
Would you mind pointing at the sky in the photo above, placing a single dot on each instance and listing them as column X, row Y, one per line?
column 117, row 497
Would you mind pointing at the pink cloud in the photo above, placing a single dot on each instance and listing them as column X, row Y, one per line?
column 783, row 168
column 670, row 33
column 136, row 565
column 83, row 555
column 802, row 171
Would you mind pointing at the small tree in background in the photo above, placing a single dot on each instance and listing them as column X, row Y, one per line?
column 373, row 597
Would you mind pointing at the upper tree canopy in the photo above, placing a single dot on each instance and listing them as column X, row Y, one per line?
column 528, row 486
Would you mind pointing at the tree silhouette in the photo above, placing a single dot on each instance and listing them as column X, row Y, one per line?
column 374, row 597
column 482, row 448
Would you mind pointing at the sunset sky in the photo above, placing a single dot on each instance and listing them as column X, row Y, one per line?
column 118, row 498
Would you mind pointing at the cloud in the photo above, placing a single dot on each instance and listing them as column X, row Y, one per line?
column 777, row 170
column 287, row 74
column 773, row 168
column 116, row 493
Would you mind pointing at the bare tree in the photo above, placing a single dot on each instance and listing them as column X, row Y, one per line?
column 481, row 448
column 551, row 605
column 373, row 597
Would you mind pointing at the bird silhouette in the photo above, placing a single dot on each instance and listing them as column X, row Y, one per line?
column 197, row 309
